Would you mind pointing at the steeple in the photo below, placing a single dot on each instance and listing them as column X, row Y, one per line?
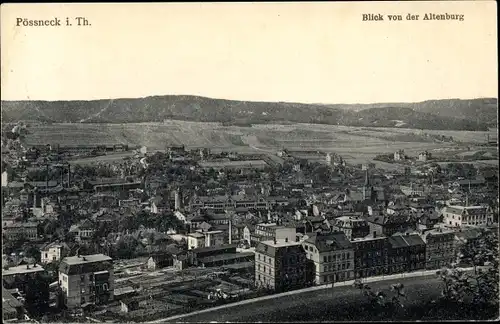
column 367, row 183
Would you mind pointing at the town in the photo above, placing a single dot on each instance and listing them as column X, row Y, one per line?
column 118, row 233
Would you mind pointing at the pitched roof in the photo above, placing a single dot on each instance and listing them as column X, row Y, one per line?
column 397, row 241
column 330, row 242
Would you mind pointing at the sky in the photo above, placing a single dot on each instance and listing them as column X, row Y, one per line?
column 298, row 52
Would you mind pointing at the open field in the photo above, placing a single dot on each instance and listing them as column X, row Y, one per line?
column 355, row 144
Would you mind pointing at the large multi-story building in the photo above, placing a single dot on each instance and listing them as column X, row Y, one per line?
column 237, row 202
column 17, row 230
column 271, row 231
column 458, row 216
column 352, row 226
column 406, row 253
column 280, row 265
column 333, row 257
column 370, row 255
column 440, row 248
column 86, row 279
column 389, row 224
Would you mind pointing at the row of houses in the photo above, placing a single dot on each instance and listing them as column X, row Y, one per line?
column 323, row 258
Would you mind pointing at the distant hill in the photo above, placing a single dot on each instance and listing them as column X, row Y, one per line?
column 482, row 110
column 475, row 114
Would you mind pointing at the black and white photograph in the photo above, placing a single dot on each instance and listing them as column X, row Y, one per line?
column 249, row 162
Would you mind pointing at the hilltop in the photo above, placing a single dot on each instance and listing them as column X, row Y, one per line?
column 452, row 114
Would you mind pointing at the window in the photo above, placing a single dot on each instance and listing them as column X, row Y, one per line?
column 258, row 256
column 325, row 259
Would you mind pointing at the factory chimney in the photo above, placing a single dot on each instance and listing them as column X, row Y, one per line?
column 69, row 176
column 47, row 177
column 177, row 198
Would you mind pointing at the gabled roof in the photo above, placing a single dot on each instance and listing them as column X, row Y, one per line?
column 329, row 242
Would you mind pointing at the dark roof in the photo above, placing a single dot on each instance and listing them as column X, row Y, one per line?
column 226, row 256
column 396, row 242
column 214, row 248
column 9, row 303
column 270, row 249
column 414, row 240
column 330, row 241
column 399, row 241
column 472, row 182
column 468, row 234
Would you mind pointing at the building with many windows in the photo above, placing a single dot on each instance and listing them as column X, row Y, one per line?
column 406, row 253
column 280, row 265
column 352, row 226
column 86, row 279
column 440, row 248
column 333, row 257
column 16, row 230
column 458, row 216
column 370, row 255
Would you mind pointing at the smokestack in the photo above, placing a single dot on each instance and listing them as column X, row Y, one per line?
column 230, row 230
column 47, row 177
column 177, row 198
column 69, row 176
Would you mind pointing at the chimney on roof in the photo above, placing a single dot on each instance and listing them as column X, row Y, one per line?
column 286, row 239
column 27, row 266
column 274, row 241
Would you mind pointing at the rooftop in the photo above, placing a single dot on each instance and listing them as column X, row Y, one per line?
column 22, row 269
column 280, row 243
column 82, row 259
